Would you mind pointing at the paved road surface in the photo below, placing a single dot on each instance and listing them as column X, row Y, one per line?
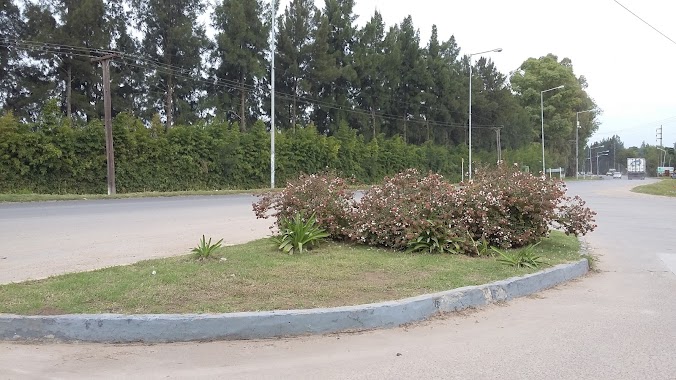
column 617, row 324
column 46, row 238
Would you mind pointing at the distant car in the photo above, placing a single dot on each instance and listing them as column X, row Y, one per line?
column 673, row 175
column 617, row 175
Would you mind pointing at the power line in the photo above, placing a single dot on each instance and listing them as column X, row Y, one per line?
column 178, row 72
column 640, row 126
column 645, row 22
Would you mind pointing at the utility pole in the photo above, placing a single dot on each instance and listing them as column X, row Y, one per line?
column 659, row 136
column 498, row 143
column 272, row 95
column 110, row 155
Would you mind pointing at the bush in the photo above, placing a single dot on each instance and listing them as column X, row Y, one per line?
column 511, row 208
column 325, row 195
column 406, row 207
column 502, row 207
column 508, row 207
column 574, row 218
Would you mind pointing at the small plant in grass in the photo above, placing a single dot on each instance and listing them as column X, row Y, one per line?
column 205, row 249
column 524, row 258
column 296, row 233
column 481, row 247
column 434, row 239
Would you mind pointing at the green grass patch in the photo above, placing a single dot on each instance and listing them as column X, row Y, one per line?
column 665, row 187
column 31, row 197
column 256, row 276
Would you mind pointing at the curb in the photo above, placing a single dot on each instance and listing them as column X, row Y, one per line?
column 160, row 328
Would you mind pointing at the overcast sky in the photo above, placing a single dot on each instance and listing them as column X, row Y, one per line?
column 630, row 68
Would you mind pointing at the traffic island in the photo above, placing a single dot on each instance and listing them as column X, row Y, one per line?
column 161, row 328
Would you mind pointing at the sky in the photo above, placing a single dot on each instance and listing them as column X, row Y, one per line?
column 630, row 68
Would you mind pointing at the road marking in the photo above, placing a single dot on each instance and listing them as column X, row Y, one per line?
column 669, row 260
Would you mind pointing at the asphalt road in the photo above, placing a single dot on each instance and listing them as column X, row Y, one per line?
column 41, row 239
column 616, row 324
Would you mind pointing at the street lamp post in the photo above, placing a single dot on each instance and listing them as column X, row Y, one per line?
column 591, row 166
column 542, row 118
column 577, row 142
column 599, row 154
column 497, row 50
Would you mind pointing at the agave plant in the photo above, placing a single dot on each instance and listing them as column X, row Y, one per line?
column 296, row 233
column 205, row 249
column 525, row 258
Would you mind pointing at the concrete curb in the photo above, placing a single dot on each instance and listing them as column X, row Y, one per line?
column 156, row 328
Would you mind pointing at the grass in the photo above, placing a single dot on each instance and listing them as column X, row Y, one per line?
column 665, row 187
column 32, row 197
column 255, row 276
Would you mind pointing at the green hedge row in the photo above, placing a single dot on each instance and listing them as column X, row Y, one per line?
column 54, row 157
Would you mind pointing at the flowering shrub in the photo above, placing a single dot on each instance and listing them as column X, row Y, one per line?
column 325, row 195
column 403, row 208
column 511, row 208
column 574, row 218
column 501, row 207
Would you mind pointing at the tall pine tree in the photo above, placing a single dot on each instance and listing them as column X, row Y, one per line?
column 242, row 44
column 333, row 64
column 13, row 28
column 175, row 40
column 370, row 58
column 293, row 55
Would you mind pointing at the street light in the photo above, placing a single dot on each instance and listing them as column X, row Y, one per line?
column 577, row 142
column 591, row 164
column 542, row 118
column 599, row 154
column 497, row 50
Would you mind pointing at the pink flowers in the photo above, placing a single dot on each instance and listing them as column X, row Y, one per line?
column 501, row 206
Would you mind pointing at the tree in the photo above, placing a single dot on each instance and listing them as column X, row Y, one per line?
column 560, row 106
column 369, row 64
column 30, row 80
column 127, row 80
column 242, row 44
column 443, row 107
column 293, row 55
column 174, row 40
column 415, row 80
column 333, row 64
column 13, row 26
column 69, row 31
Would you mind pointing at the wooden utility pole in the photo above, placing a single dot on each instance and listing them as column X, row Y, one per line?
column 108, row 123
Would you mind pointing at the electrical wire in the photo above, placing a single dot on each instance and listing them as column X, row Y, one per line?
column 645, row 22
column 131, row 60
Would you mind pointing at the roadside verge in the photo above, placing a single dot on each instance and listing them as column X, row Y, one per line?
column 156, row 328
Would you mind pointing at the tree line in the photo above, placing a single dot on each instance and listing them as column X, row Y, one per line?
column 187, row 63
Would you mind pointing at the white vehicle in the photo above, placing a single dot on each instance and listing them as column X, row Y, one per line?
column 636, row 168
column 617, row 175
